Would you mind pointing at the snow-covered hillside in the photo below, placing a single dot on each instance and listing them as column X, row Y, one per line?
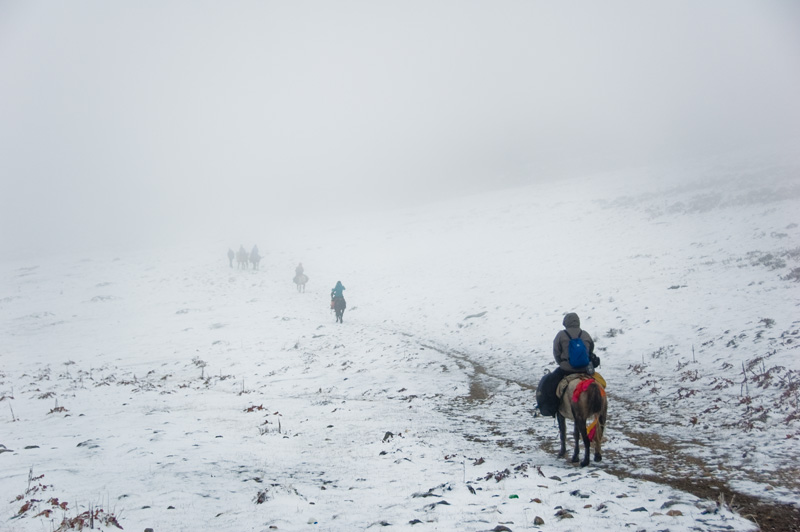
column 170, row 391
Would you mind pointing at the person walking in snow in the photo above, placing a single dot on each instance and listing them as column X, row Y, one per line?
column 231, row 254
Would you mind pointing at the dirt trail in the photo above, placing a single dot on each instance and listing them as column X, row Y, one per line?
column 667, row 460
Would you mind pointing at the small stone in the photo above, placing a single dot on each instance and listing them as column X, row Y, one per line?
column 674, row 513
column 639, row 509
column 538, row 521
column 148, row 530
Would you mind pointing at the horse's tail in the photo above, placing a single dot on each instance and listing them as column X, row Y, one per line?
column 595, row 399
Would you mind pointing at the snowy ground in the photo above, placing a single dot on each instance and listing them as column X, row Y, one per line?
column 173, row 392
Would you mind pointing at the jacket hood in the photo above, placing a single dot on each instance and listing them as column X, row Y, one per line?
column 572, row 321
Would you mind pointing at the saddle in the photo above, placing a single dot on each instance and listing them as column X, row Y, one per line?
column 565, row 382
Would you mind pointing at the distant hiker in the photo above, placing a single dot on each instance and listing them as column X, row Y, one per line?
column 573, row 351
column 241, row 257
column 231, row 255
column 338, row 304
column 299, row 270
column 255, row 257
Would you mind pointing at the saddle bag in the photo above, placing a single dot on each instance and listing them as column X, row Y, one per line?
column 546, row 399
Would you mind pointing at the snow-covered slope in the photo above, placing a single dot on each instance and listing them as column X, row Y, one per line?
column 173, row 392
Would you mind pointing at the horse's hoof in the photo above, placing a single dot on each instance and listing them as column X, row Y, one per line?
column 584, row 463
column 574, row 459
column 597, row 458
column 562, row 454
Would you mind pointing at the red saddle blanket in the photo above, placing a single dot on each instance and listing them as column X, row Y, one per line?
column 581, row 387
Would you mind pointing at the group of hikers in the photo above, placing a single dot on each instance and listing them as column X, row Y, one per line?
column 338, row 303
column 243, row 259
column 573, row 348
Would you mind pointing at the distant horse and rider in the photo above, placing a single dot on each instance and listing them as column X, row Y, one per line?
column 338, row 304
column 300, row 278
column 244, row 259
column 255, row 257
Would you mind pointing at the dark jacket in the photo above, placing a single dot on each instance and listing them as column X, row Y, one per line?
column 572, row 324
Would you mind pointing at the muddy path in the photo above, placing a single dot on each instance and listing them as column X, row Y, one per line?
column 650, row 457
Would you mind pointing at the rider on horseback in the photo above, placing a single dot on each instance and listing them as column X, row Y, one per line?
column 572, row 330
column 546, row 392
column 299, row 270
column 337, row 290
column 338, row 304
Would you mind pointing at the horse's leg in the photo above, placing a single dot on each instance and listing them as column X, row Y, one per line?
column 562, row 432
column 598, row 435
column 581, row 434
column 576, row 436
column 578, row 420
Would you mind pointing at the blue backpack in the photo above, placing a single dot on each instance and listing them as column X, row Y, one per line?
column 578, row 354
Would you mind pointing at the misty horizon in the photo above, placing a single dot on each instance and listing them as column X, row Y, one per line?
column 132, row 121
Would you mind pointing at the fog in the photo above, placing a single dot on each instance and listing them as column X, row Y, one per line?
column 148, row 120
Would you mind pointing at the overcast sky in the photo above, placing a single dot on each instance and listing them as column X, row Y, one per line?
column 122, row 120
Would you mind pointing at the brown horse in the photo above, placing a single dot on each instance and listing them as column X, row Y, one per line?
column 338, row 304
column 583, row 398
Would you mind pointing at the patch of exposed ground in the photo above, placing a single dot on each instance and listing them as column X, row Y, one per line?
column 656, row 459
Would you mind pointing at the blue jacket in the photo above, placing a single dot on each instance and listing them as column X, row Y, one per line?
column 337, row 290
